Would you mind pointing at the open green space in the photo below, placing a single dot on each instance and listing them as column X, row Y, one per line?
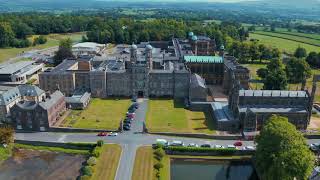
column 107, row 163
column 53, row 40
column 171, row 116
column 100, row 114
column 294, row 37
column 285, row 45
column 4, row 153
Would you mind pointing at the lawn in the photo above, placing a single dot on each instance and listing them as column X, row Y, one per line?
column 53, row 40
column 100, row 114
column 143, row 164
column 288, row 46
column 107, row 163
column 54, row 149
column 170, row 116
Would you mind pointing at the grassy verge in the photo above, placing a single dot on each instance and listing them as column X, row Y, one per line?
column 5, row 153
column 54, row 149
column 170, row 116
column 107, row 163
column 100, row 114
column 143, row 164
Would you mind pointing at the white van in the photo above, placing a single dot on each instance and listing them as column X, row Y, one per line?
column 162, row 142
column 176, row 143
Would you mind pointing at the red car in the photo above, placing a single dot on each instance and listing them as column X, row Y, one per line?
column 238, row 143
column 131, row 116
column 102, row 134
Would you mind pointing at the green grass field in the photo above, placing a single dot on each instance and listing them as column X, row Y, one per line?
column 107, row 163
column 143, row 164
column 170, row 116
column 285, row 45
column 53, row 40
column 54, row 149
column 100, row 114
column 292, row 36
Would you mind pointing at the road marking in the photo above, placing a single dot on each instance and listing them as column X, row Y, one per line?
column 124, row 146
column 62, row 138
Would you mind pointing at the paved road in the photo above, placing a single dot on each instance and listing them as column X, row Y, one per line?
column 129, row 140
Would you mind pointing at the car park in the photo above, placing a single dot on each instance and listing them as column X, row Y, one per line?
column 176, row 143
column 102, row 134
column 206, row 145
column 113, row 134
column 193, row 145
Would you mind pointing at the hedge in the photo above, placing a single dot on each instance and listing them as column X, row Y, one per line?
column 201, row 149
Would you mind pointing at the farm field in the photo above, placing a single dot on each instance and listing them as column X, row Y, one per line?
column 170, row 116
column 53, row 40
column 285, row 45
column 100, row 114
column 303, row 38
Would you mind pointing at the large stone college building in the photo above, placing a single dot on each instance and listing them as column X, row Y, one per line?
column 180, row 69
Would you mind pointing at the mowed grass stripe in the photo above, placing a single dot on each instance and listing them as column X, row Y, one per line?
column 288, row 46
column 108, row 161
column 291, row 37
column 143, row 165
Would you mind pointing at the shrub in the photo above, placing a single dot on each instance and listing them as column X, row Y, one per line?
column 157, row 174
column 92, row 161
column 158, row 165
column 159, row 153
column 100, row 143
column 87, row 170
column 96, row 151
column 85, row 177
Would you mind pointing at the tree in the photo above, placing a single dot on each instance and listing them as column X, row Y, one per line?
column 276, row 78
column 300, row 52
column 313, row 59
column 6, row 34
column 282, row 152
column 297, row 70
column 22, row 30
column 64, row 51
column 262, row 73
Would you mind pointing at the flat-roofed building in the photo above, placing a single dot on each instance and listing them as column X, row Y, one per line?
column 87, row 48
column 19, row 72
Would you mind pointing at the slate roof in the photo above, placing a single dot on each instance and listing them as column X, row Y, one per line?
column 52, row 101
column 203, row 59
column 273, row 109
column 14, row 67
column 197, row 81
column 82, row 98
column 29, row 90
column 272, row 93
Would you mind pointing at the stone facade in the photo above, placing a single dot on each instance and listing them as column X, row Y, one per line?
column 38, row 116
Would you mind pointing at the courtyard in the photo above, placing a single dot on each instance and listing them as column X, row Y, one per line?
column 100, row 114
column 171, row 116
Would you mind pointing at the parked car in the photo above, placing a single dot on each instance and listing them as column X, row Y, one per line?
column 135, row 105
column 126, row 128
column 130, row 116
column 162, row 142
column 218, row 146
column 113, row 134
column 231, row 147
column 248, row 148
column 314, row 146
column 134, row 99
column 131, row 113
column 238, row 143
column 206, row 145
column 193, row 145
column 102, row 134
column 177, row 143
column 127, row 121
column 127, row 124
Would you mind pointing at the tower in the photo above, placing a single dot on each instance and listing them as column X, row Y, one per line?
column 133, row 53
column 148, row 55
